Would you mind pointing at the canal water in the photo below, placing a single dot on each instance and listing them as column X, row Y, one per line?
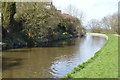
column 54, row 60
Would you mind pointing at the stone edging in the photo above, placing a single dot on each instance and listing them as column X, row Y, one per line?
column 99, row 34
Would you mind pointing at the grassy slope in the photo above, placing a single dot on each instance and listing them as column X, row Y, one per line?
column 103, row 65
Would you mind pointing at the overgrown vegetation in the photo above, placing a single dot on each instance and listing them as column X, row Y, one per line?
column 103, row 65
column 37, row 23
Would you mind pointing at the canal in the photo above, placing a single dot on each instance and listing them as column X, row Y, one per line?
column 54, row 60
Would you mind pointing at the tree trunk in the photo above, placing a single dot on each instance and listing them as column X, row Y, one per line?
column 8, row 11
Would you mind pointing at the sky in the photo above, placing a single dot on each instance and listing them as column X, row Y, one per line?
column 93, row 9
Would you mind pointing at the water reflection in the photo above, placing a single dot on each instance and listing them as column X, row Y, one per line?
column 53, row 60
column 67, row 42
column 8, row 63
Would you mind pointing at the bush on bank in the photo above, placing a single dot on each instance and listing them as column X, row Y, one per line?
column 41, row 24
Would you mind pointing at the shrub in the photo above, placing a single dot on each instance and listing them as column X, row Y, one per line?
column 42, row 24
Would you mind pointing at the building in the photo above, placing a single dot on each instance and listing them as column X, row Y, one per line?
column 49, row 4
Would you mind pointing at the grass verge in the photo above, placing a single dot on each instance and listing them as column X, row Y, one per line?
column 104, row 64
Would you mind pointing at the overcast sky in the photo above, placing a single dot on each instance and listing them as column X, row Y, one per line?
column 96, row 9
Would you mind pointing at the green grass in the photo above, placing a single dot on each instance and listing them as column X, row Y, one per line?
column 103, row 65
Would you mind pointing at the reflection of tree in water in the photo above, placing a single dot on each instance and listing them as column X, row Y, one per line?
column 0, row 64
column 67, row 42
column 19, row 50
column 98, row 40
column 10, row 62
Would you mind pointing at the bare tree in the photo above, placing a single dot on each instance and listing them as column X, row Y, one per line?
column 72, row 10
column 95, row 25
column 114, row 22
column 108, row 24
column 111, row 22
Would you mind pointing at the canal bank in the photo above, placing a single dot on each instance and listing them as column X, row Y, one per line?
column 104, row 64
column 18, row 41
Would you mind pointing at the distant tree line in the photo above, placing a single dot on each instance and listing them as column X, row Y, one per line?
column 108, row 24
